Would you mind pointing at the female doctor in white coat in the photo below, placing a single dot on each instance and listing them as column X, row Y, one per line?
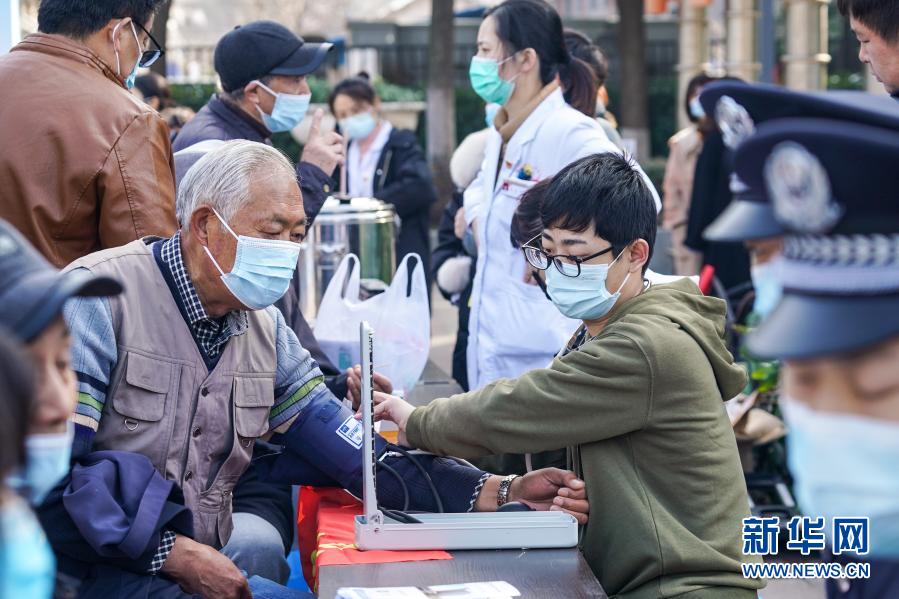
column 522, row 64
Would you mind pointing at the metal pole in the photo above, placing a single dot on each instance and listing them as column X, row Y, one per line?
column 10, row 30
column 767, row 41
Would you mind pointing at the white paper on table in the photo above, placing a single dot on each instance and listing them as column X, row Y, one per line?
column 496, row 589
column 381, row 593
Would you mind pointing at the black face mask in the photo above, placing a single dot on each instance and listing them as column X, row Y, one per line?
column 541, row 283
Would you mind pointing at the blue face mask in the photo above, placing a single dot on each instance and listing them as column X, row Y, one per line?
column 845, row 465
column 48, row 460
column 262, row 271
column 358, row 126
column 584, row 297
column 490, row 113
column 132, row 76
column 27, row 564
column 289, row 110
column 486, row 82
column 696, row 109
column 768, row 289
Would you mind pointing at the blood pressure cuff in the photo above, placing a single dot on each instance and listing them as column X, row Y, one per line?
column 323, row 448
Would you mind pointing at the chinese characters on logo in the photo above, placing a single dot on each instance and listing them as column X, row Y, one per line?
column 761, row 535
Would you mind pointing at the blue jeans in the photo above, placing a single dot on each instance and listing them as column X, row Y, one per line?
column 266, row 589
column 256, row 548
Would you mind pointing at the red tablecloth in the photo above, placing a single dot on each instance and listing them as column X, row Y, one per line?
column 326, row 534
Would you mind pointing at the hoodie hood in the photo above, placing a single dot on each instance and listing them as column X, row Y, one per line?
column 701, row 317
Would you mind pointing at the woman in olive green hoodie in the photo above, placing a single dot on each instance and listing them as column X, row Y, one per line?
column 637, row 397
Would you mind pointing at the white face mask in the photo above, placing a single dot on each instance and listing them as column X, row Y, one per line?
column 846, row 466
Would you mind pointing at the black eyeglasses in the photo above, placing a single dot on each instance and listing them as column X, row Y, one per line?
column 570, row 266
column 148, row 57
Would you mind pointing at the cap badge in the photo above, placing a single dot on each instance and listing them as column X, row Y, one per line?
column 733, row 121
column 800, row 190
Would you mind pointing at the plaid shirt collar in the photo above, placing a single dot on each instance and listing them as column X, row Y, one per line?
column 211, row 333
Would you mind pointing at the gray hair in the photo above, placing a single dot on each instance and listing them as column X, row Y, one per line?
column 221, row 179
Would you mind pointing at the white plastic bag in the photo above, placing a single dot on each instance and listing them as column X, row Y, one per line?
column 401, row 320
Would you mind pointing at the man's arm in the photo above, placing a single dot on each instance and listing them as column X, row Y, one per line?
column 322, row 441
column 602, row 391
column 315, row 186
column 321, row 437
column 137, row 184
column 93, row 359
column 323, row 152
column 298, row 379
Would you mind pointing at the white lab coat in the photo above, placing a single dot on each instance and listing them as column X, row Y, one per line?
column 513, row 328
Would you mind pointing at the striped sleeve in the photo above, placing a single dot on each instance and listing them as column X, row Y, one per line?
column 298, row 379
column 93, row 359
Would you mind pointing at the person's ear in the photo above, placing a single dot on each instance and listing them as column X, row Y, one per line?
column 115, row 27
column 528, row 60
column 251, row 92
column 639, row 255
column 377, row 104
column 200, row 221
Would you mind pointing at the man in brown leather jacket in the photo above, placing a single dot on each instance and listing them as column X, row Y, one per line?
column 83, row 165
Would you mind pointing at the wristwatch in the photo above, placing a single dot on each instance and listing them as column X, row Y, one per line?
column 502, row 495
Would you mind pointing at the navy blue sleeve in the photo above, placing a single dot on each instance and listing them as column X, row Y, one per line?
column 315, row 185
column 323, row 447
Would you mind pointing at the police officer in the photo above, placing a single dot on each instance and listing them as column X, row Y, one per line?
column 832, row 188
column 738, row 108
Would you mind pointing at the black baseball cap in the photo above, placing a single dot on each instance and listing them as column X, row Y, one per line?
column 832, row 188
column 262, row 48
column 33, row 292
column 740, row 107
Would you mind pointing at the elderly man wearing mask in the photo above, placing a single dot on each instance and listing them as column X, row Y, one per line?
column 192, row 364
column 837, row 330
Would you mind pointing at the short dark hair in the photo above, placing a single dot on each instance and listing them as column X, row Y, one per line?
column 607, row 192
column 881, row 16
column 16, row 401
column 80, row 18
column 359, row 88
column 154, row 85
column 527, row 222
